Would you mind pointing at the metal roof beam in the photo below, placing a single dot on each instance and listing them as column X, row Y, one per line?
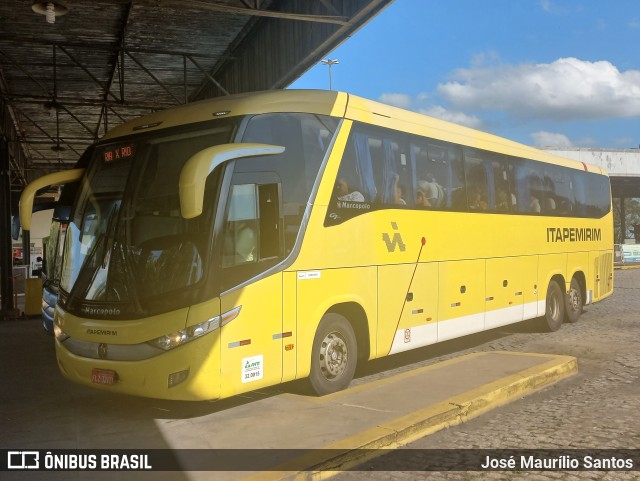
column 156, row 79
column 223, row 8
column 208, row 75
column 44, row 141
column 85, row 70
column 62, row 107
column 104, row 47
column 46, row 134
column 80, row 102
column 24, row 71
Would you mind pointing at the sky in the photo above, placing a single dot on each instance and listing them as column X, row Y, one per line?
column 547, row 73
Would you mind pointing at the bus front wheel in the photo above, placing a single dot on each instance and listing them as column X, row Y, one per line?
column 334, row 355
column 573, row 302
column 554, row 311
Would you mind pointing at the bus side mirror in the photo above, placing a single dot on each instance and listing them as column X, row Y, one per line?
column 29, row 192
column 193, row 176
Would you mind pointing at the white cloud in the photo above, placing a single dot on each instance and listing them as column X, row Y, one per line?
column 550, row 139
column 451, row 116
column 553, row 8
column 397, row 100
column 566, row 89
column 627, row 142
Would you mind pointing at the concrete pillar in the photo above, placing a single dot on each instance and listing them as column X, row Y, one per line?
column 6, row 253
column 623, row 220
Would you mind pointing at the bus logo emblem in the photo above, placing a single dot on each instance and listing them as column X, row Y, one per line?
column 103, row 350
column 395, row 241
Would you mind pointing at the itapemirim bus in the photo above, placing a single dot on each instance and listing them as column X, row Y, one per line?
column 245, row 241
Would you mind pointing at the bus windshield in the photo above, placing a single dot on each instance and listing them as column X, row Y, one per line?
column 129, row 252
column 127, row 242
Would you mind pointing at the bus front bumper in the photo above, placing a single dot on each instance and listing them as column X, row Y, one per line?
column 190, row 372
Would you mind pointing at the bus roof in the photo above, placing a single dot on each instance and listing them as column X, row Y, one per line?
column 339, row 104
column 322, row 102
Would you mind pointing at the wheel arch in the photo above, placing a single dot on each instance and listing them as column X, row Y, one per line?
column 559, row 279
column 355, row 314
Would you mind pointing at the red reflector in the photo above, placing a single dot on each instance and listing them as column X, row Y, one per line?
column 246, row 342
column 287, row 334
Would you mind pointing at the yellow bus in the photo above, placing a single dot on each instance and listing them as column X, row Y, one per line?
column 245, row 241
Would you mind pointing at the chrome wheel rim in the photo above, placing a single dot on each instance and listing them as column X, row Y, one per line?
column 553, row 307
column 575, row 300
column 334, row 355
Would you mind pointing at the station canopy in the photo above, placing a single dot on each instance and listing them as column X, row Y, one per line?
column 71, row 70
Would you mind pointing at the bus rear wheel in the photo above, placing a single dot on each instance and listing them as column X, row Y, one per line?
column 554, row 311
column 334, row 355
column 573, row 302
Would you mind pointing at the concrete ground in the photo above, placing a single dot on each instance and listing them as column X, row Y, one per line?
column 597, row 408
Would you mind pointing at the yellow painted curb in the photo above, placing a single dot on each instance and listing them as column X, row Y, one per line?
column 361, row 447
column 626, row 268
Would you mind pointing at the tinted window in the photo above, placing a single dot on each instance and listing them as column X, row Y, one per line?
column 439, row 177
column 387, row 169
column 592, row 194
column 306, row 138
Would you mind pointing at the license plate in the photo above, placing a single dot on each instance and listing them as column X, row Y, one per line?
column 103, row 376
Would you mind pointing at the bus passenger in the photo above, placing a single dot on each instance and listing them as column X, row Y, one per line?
column 534, row 205
column 502, row 200
column 344, row 192
column 477, row 200
column 398, row 191
column 245, row 244
column 550, row 204
column 421, row 198
column 433, row 190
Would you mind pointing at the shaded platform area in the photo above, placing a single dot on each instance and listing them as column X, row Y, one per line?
column 295, row 434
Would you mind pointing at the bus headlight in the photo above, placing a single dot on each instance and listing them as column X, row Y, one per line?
column 178, row 338
column 60, row 335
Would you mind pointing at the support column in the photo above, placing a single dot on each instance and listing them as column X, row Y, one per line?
column 623, row 220
column 6, row 254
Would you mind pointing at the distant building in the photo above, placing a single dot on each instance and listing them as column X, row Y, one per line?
column 623, row 166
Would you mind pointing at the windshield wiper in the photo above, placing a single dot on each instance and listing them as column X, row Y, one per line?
column 89, row 267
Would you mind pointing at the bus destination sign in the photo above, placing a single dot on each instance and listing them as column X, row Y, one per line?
column 118, row 152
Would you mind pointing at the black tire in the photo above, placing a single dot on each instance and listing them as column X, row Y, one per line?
column 334, row 355
column 554, row 311
column 573, row 302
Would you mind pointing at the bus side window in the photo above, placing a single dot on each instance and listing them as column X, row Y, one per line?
column 529, row 187
column 395, row 184
column 252, row 229
column 241, row 226
column 355, row 182
column 477, row 180
column 499, row 195
column 252, row 235
column 592, row 194
column 559, row 196
column 306, row 139
column 431, row 174
column 374, row 169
